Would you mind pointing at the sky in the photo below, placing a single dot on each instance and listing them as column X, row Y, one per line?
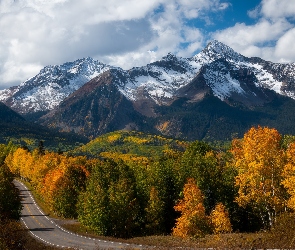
column 129, row 33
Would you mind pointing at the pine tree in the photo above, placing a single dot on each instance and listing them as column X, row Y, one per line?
column 41, row 149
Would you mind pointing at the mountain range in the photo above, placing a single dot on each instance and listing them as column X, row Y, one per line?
column 214, row 95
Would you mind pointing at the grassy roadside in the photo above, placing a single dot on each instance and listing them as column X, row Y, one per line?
column 282, row 236
column 14, row 236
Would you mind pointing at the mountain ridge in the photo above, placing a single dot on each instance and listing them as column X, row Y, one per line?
column 159, row 80
column 188, row 98
column 13, row 127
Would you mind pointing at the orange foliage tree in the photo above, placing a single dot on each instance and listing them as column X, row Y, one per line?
column 57, row 178
column 260, row 161
column 193, row 221
column 62, row 185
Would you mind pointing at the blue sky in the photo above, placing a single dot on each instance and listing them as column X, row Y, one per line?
column 128, row 33
column 237, row 12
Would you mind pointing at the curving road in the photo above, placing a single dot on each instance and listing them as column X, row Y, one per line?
column 46, row 230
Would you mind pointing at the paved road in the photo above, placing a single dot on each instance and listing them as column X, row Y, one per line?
column 46, row 230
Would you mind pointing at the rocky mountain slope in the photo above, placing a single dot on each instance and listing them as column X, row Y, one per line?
column 97, row 107
column 7, row 115
column 158, row 82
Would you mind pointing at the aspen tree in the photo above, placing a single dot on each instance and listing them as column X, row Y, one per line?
column 260, row 160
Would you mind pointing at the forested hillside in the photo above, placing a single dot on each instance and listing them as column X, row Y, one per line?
column 130, row 143
column 13, row 127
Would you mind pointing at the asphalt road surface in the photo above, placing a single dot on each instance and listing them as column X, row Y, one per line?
column 46, row 230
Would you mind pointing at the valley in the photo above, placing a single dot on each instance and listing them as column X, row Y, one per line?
column 186, row 149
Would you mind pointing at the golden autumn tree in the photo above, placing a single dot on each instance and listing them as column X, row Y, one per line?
column 260, row 160
column 220, row 221
column 193, row 221
column 18, row 162
column 43, row 164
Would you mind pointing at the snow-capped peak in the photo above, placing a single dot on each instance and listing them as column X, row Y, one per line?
column 216, row 50
column 52, row 85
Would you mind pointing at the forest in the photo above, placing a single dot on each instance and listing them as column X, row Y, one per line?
column 183, row 189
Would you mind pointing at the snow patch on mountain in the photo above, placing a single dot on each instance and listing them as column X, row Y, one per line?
column 6, row 93
column 216, row 50
column 160, row 80
column 265, row 79
column 222, row 85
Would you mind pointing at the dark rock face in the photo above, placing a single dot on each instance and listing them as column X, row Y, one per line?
column 96, row 108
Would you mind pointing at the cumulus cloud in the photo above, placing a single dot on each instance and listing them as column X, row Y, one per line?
column 278, row 8
column 251, row 40
column 285, row 48
column 271, row 37
column 36, row 33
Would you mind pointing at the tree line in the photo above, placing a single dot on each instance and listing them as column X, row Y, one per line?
column 10, row 204
column 189, row 194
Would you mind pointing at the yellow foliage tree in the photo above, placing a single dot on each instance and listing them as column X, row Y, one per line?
column 289, row 175
column 220, row 221
column 193, row 221
column 19, row 162
column 260, row 162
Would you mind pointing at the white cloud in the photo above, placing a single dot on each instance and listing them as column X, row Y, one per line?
column 243, row 35
column 271, row 37
column 13, row 71
column 278, row 8
column 285, row 48
column 36, row 33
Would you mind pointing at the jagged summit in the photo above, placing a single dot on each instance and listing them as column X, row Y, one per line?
column 222, row 50
column 216, row 50
column 170, row 56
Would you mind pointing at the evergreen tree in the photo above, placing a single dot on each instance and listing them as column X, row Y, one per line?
column 41, row 149
column 10, row 205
